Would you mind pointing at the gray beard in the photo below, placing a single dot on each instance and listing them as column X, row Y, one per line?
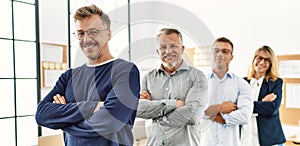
column 169, row 65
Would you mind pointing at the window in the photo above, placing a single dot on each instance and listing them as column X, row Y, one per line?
column 19, row 76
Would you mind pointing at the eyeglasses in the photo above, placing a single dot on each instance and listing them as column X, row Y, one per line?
column 223, row 51
column 92, row 33
column 260, row 58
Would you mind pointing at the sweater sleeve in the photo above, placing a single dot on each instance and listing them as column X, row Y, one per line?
column 58, row 116
column 119, row 107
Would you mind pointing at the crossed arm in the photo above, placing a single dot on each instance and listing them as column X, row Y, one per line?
column 214, row 111
column 146, row 95
column 58, row 116
column 150, row 109
column 58, row 99
column 91, row 118
column 185, row 112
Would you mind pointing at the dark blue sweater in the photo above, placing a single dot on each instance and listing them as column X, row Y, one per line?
column 116, row 83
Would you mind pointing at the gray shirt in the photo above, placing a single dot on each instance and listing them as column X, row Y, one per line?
column 174, row 126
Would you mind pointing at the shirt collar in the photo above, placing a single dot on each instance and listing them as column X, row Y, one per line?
column 105, row 62
column 228, row 74
column 259, row 81
column 183, row 66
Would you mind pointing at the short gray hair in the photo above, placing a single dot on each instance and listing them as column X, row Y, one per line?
column 167, row 31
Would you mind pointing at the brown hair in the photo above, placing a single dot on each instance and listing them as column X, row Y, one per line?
column 272, row 72
column 88, row 11
column 226, row 40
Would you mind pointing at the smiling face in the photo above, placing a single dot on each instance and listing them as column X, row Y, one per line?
column 261, row 63
column 95, row 37
column 170, row 50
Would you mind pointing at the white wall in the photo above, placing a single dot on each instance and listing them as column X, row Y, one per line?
column 53, row 29
column 249, row 24
column 53, row 21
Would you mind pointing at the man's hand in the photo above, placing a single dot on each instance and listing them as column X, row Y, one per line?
column 227, row 107
column 100, row 104
column 145, row 95
column 218, row 118
column 59, row 99
column 179, row 103
column 270, row 97
column 212, row 110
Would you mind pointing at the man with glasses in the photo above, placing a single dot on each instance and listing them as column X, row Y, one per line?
column 230, row 100
column 173, row 95
column 94, row 104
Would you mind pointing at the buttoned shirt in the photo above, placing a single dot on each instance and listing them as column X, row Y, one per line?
column 174, row 126
column 229, row 88
column 249, row 132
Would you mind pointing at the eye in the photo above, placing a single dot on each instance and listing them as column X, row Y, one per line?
column 93, row 32
column 217, row 50
column 174, row 46
column 80, row 33
column 163, row 47
column 225, row 51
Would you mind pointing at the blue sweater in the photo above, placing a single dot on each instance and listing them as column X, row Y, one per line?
column 116, row 83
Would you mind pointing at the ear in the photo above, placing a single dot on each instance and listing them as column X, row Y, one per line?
column 231, row 57
column 108, row 34
column 182, row 49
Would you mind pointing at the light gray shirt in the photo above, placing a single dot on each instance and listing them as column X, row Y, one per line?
column 174, row 126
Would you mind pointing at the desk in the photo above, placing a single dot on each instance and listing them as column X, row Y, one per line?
column 290, row 143
column 290, row 132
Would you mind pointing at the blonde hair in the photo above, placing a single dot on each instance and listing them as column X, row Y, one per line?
column 272, row 72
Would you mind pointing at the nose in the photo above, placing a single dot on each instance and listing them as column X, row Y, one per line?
column 220, row 53
column 85, row 37
column 168, row 50
column 262, row 61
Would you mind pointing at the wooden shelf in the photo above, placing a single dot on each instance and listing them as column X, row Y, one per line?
column 53, row 62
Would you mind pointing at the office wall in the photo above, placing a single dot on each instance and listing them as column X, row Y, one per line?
column 53, row 21
column 249, row 24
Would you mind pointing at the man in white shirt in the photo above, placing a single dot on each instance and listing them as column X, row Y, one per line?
column 230, row 100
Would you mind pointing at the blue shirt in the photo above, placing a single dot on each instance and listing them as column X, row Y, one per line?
column 116, row 83
column 229, row 88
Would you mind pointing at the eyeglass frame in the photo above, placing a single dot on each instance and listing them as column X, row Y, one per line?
column 88, row 32
column 259, row 58
column 223, row 51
